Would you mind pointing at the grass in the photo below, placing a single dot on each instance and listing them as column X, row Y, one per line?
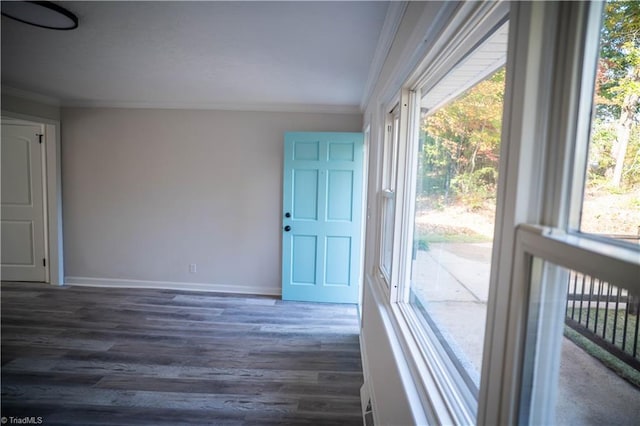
column 606, row 320
column 452, row 235
column 629, row 333
column 423, row 242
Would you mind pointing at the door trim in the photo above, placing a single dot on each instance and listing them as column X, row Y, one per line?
column 52, row 193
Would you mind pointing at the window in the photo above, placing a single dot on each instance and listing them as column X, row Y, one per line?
column 452, row 173
column 611, row 198
column 388, row 194
column 488, row 223
column 594, row 237
column 455, row 181
column 545, row 193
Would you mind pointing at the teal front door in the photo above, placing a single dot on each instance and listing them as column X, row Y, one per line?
column 321, row 217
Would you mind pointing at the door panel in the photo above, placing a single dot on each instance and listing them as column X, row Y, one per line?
column 22, row 205
column 305, row 150
column 323, row 200
column 338, row 267
column 340, row 195
column 305, row 194
column 304, row 262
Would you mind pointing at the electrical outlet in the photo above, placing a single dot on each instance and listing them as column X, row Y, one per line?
column 192, row 268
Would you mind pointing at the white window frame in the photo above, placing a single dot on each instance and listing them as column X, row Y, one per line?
column 545, row 131
column 388, row 192
column 442, row 386
column 551, row 127
column 546, row 303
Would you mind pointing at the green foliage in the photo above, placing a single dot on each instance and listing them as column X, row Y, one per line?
column 617, row 97
column 476, row 187
column 460, row 142
column 631, row 171
column 460, row 146
column 600, row 161
column 619, row 49
column 422, row 242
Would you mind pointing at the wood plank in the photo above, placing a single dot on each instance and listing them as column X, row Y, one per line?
column 88, row 356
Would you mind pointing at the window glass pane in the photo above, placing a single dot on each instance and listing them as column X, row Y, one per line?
column 394, row 148
column 387, row 233
column 597, row 378
column 455, row 206
column 388, row 195
column 611, row 205
column 606, row 311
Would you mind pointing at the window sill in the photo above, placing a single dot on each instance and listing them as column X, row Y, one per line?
column 426, row 379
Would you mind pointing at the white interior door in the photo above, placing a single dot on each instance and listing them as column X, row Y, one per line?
column 22, row 205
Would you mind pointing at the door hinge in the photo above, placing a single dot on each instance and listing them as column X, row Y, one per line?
column 40, row 137
column 44, row 262
column 389, row 128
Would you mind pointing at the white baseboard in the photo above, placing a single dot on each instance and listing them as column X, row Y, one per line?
column 173, row 285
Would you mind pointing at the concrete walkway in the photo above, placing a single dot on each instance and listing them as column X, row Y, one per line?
column 454, row 279
column 591, row 394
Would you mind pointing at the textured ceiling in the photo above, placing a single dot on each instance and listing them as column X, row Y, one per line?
column 198, row 54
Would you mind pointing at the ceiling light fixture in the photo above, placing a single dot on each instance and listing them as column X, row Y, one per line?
column 43, row 14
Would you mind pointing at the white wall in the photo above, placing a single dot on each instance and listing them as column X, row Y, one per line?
column 387, row 375
column 148, row 192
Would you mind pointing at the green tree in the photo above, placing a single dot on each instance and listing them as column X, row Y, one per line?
column 461, row 143
column 618, row 78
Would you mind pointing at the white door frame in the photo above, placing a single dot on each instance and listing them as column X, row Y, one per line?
column 52, row 193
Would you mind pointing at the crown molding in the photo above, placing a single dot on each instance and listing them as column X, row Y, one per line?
column 30, row 96
column 304, row 108
column 275, row 107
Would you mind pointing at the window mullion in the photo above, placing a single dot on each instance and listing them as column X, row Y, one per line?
column 575, row 60
column 584, row 116
column 387, row 196
column 401, row 194
column 570, row 113
column 408, row 205
column 543, row 114
column 527, row 97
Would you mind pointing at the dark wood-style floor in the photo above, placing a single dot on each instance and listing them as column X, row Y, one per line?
column 80, row 355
